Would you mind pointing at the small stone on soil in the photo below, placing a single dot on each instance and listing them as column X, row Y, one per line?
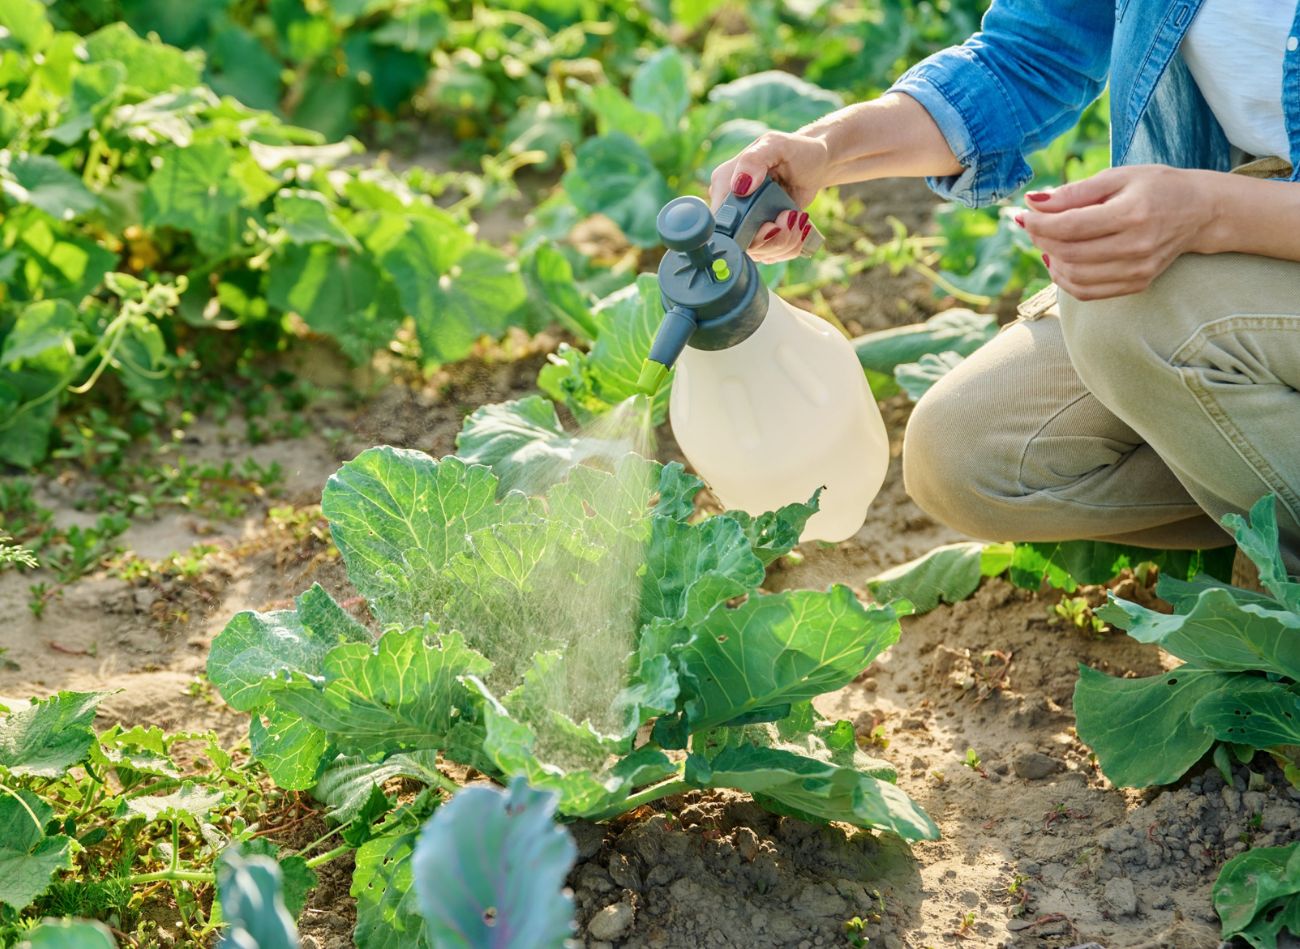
column 746, row 843
column 588, row 837
column 1033, row 765
column 611, row 922
column 1121, row 896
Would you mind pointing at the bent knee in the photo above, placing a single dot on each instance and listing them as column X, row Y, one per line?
column 1113, row 346
column 952, row 468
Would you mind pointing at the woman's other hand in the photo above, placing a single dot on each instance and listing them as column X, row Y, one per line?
column 1112, row 234
column 800, row 164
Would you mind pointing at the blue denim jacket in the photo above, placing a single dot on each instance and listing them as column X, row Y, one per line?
column 1036, row 64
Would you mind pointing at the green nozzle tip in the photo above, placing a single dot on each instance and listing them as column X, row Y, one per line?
column 652, row 377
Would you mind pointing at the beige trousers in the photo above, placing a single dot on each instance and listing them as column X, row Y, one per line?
column 1141, row 419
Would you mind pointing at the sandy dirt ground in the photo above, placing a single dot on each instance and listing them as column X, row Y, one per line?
column 1037, row 850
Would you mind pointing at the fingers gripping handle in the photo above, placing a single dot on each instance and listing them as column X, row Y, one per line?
column 740, row 218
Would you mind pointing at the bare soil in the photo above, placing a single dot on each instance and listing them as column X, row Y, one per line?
column 1037, row 849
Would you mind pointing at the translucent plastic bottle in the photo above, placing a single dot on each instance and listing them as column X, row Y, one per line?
column 769, row 402
column 788, row 410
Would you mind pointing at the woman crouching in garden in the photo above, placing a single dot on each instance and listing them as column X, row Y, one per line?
column 1155, row 389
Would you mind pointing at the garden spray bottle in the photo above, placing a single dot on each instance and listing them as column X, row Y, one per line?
column 769, row 402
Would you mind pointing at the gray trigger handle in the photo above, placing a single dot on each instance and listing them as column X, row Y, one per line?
column 740, row 218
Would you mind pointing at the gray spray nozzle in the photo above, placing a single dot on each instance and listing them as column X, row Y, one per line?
column 674, row 333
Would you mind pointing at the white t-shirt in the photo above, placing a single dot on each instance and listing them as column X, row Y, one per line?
column 1235, row 50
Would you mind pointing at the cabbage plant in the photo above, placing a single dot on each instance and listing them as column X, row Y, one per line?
column 592, row 638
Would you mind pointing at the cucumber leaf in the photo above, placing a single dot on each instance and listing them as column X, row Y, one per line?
column 192, row 190
column 43, row 183
column 151, row 67
column 28, row 857
column 457, row 289
column 41, row 327
column 339, row 294
column 47, row 737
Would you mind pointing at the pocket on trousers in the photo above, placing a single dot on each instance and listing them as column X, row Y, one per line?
column 1246, row 368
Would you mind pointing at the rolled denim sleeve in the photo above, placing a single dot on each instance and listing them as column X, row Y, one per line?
column 1011, row 88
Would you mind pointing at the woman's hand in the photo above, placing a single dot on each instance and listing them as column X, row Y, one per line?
column 800, row 164
column 1112, row 234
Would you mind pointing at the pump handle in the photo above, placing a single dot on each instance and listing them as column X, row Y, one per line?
column 685, row 223
column 740, row 218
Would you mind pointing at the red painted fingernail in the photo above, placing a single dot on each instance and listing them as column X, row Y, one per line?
column 1020, row 219
column 803, row 218
column 743, row 181
column 807, row 229
column 770, row 234
column 1038, row 195
column 1047, row 262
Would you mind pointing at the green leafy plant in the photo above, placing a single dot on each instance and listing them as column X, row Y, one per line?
column 1237, row 683
column 142, row 174
column 953, row 331
column 590, row 382
column 953, row 572
column 252, row 904
column 510, row 861
column 90, row 820
column 581, row 639
column 340, row 68
column 69, row 934
column 15, row 555
column 1078, row 612
column 1257, row 895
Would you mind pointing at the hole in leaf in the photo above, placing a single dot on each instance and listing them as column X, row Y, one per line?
column 1172, row 680
column 490, row 916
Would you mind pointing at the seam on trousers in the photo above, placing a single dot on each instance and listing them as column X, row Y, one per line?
column 1027, row 492
column 1202, row 393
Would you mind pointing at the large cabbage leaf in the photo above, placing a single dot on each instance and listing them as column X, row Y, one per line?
column 1239, row 682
